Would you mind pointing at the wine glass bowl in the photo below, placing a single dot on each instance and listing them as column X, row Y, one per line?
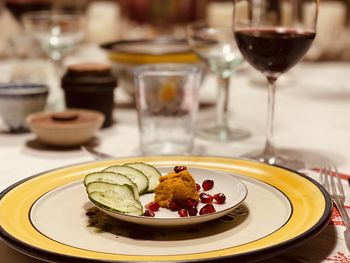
column 216, row 47
column 273, row 51
column 56, row 32
column 273, row 36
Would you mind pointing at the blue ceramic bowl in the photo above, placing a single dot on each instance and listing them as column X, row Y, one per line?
column 18, row 100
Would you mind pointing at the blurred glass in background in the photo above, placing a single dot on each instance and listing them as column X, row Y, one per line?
column 112, row 20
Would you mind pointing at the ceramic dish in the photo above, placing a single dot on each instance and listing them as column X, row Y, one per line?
column 126, row 55
column 234, row 190
column 67, row 128
column 18, row 100
column 282, row 210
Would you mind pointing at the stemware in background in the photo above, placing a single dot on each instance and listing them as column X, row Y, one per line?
column 273, row 36
column 57, row 32
column 216, row 47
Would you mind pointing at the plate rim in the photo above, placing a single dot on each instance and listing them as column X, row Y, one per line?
column 262, row 253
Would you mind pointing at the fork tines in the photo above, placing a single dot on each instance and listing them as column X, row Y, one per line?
column 331, row 181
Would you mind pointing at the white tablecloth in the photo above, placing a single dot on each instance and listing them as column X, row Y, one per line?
column 311, row 121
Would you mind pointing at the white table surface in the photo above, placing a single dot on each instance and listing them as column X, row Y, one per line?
column 312, row 120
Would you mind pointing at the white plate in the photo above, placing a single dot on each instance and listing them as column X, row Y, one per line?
column 226, row 183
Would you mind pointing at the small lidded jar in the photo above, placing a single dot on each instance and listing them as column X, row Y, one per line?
column 90, row 86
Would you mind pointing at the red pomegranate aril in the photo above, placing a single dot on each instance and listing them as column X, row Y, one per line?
column 207, row 185
column 206, row 198
column 207, row 209
column 182, row 212
column 178, row 169
column 149, row 213
column 220, row 198
column 191, row 203
column 174, row 206
column 153, row 206
column 211, row 208
column 192, row 211
column 198, row 187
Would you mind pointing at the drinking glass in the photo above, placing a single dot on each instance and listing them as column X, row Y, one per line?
column 56, row 32
column 273, row 36
column 167, row 102
column 216, row 47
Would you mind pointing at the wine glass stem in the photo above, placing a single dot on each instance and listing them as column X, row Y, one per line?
column 269, row 149
column 58, row 67
column 222, row 102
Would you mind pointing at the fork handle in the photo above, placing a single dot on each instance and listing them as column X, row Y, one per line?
column 345, row 216
column 96, row 154
column 347, row 238
column 343, row 213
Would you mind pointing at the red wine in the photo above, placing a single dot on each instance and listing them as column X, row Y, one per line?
column 273, row 51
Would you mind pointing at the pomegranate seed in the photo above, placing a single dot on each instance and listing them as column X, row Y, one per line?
column 211, row 208
column 219, row 198
column 178, row 169
column 198, row 187
column 149, row 213
column 206, row 198
column 192, row 211
column 207, row 185
column 207, row 209
column 191, row 203
column 182, row 212
column 153, row 206
column 174, row 206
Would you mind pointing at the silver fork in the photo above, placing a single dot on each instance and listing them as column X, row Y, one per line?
column 331, row 181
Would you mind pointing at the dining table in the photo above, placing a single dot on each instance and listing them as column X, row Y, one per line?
column 311, row 123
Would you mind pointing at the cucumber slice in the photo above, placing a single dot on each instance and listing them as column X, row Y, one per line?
column 151, row 173
column 112, row 178
column 110, row 203
column 114, row 197
column 133, row 174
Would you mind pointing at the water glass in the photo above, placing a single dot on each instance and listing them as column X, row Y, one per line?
column 167, row 103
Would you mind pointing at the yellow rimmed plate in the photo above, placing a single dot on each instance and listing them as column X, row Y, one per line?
column 49, row 216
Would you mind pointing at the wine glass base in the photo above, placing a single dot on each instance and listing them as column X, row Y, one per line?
column 220, row 134
column 290, row 162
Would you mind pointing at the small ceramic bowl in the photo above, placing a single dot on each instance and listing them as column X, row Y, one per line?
column 18, row 100
column 71, row 127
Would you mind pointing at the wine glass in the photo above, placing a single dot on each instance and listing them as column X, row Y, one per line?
column 216, row 47
column 273, row 36
column 56, row 32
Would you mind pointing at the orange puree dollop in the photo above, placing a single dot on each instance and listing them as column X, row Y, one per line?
column 178, row 187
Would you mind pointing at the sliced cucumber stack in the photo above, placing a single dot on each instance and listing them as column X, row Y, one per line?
column 114, row 197
column 150, row 172
column 112, row 178
column 118, row 187
column 133, row 174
